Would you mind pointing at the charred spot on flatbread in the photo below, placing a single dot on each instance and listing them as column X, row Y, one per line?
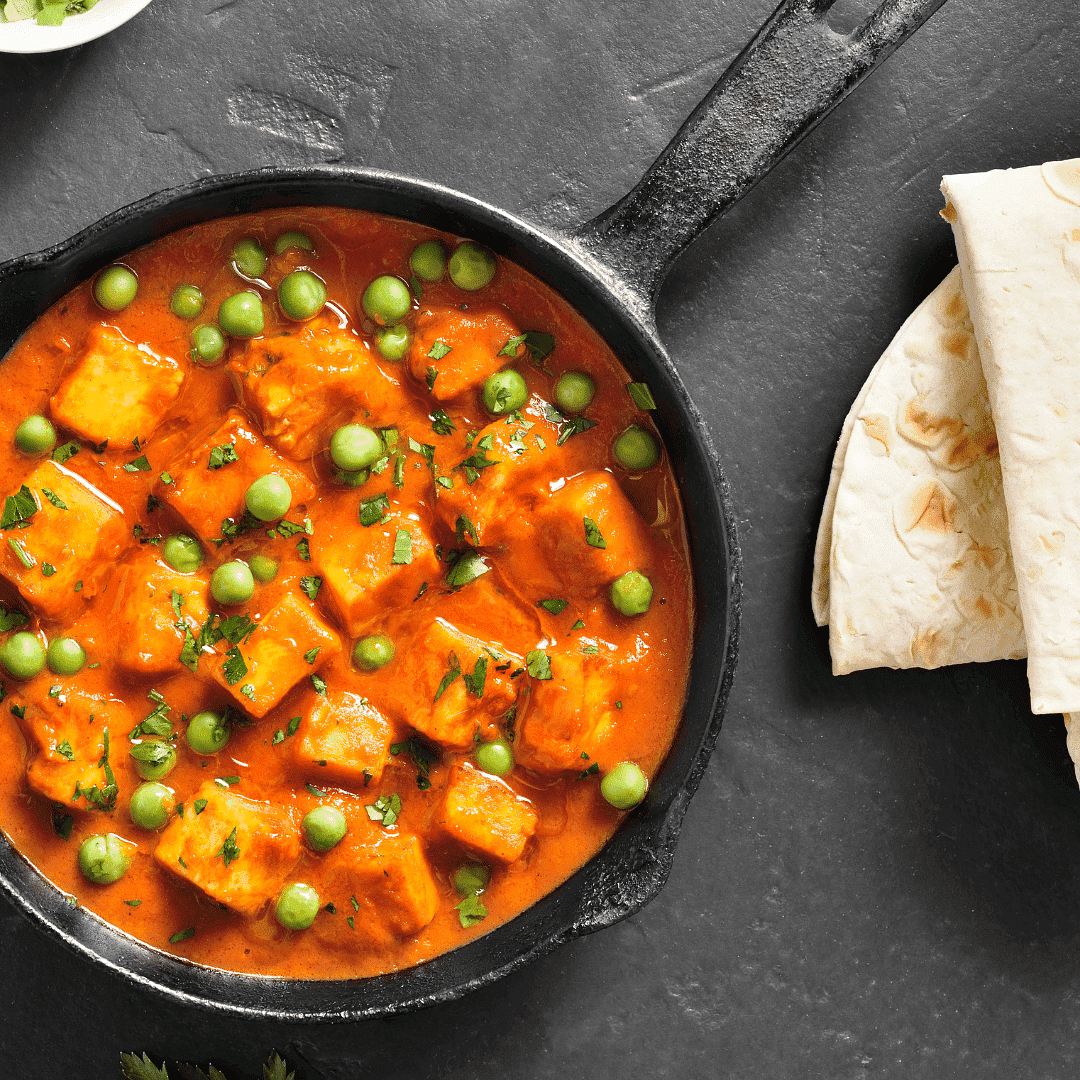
column 927, row 506
column 916, row 423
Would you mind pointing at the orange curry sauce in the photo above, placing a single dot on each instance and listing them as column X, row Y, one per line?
column 617, row 683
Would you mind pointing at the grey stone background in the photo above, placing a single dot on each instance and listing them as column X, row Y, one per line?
column 880, row 875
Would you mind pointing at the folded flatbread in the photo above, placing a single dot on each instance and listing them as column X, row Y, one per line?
column 912, row 561
column 1018, row 238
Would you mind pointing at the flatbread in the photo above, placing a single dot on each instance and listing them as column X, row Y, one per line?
column 919, row 572
column 1018, row 237
column 819, row 588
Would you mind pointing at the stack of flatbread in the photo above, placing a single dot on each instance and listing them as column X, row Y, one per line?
column 951, row 528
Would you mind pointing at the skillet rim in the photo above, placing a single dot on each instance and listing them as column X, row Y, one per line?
column 633, row 866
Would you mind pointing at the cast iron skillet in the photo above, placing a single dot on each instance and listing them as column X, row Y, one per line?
column 792, row 73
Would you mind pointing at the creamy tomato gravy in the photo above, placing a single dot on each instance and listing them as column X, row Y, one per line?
column 617, row 685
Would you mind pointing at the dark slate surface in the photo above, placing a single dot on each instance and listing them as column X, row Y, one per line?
column 880, row 876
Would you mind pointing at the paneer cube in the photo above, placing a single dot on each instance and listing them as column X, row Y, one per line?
column 522, row 452
column 236, row 850
column 343, row 739
column 449, row 685
column 260, row 671
column 486, row 814
column 470, row 342
column 61, row 545
column 388, row 878
column 591, row 534
column 368, row 570
column 117, row 390
column 303, row 386
column 66, row 738
column 206, row 492
column 149, row 631
column 572, row 713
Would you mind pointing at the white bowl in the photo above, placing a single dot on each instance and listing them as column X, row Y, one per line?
column 26, row 36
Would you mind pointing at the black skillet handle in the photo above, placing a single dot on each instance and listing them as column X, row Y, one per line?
column 782, row 84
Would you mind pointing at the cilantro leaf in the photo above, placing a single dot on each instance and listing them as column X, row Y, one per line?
column 438, row 351
column 180, row 935
column 471, row 911
column 402, row 548
column 512, row 345
column 20, row 507
column 454, row 670
column 384, row 810
column 228, row 850
column 641, row 394
column 10, row 619
column 574, row 426
column 65, row 452
column 556, row 607
column 593, row 536
column 221, row 456
column 430, row 377
column 538, row 664
column 140, row 464
column 467, row 567
column 310, row 586
column 310, row 655
column 65, row 751
column 320, row 685
column 21, row 553
column 464, row 527
column 441, row 424
column 424, row 756
column 474, row 683
column 54, row 499
column 234, row 668
column 373, row 510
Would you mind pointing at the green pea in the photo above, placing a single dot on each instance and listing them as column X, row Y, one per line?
column 65, row 656
column 574, row 391
column 35, row 435
column 471, row 266
column 207, row 344
column 248, row 258
column 207, row 733
column 393, row 341
column 624, row 786
column 354, row 447
column 150, row 805
column 269, row 497
column 428, row 260
column 263, row 568
column 115, row 287
column 324, row 827
column 297, row 240
column 104, row 858
column 182, row 553
column 636, row 449
column 22, row 655
column 297, row 906
column 505, row 391
column 232, row 583
column 387, row 300
column 632, row 593
column 160, row 765
column 301, row 295
column 373, row 652
column 472, row 878
column 241, row 315
column 495, row 757
column 187, row 301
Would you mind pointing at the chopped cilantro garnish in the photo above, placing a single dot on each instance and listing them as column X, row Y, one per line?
column 152, row 753
column 182, row 935
column 140, row 464
column 438, row 351
column 431, row 376
column 152, row 503
column 47, row 569
column 303, row 549
column 589, row 650
column 471, row 911
column 538, row 664
column 166, row 478
column 384, row 810
column 65, row 751
column 474, row 683
column 574, row 426
column 512, row 345
column 226, row 781
column 592, row 770
column 310, row 586
column 467, row 567
column 199, row 805
column 641, row 394
column 22, row 554
column 10, row 619
column 399, row 470
column 315, row 791
column 319, row 683
column 441, row 424
column 228, row 850
column 54, row 499
column 177, row 602
column 234, row 668
column 464, row 527
column 579, row 625
column 279, row 737
column 222, row 455
column 402, row 548
column 18, row 508
column 293, row 724
column 65, row 452
column 423, row 754
column 556, row 607
column 593, row 536
column 133, row 903
column 61, row 822
column 310, row 655
column 454, row 670
column 373, row 510
column 248, row 690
